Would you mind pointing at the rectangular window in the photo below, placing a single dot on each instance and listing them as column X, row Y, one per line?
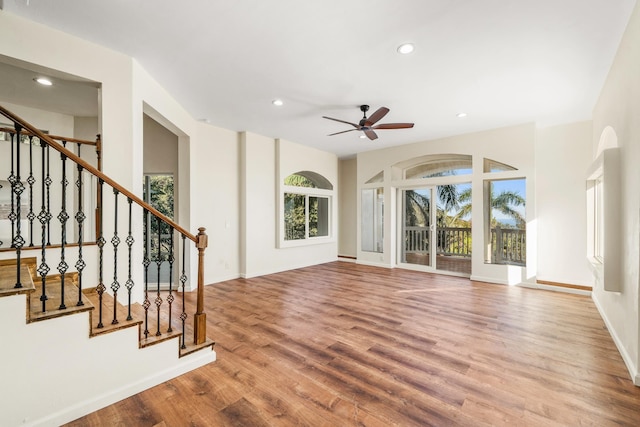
column 305, row 216
column 598, row 223
column 372, row 208
column 318, row 216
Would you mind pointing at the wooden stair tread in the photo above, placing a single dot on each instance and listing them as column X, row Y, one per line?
column 90, row 301
column 54, row 299
column 192, row 348
column 107, row 314
column 8, row 280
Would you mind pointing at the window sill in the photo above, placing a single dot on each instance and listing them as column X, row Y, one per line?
column 314, row 241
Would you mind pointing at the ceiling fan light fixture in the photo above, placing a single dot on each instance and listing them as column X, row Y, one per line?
column 278, row 102
column 406, row 48
column 43, row 81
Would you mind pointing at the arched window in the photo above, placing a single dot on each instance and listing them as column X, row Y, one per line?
column 379, row 177
column 306, row 212
column 438, row 165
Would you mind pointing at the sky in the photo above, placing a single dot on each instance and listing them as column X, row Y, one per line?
column 516, row 185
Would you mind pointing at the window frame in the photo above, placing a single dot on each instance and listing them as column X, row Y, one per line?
column 307, row 192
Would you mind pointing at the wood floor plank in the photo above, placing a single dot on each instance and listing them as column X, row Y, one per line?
column 342, row 344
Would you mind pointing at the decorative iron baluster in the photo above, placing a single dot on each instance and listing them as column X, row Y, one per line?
column 115, row 241
column 12, row 183
column 80, row 217
column 170, row 260
column 183, row 281
column 147, row 261
column 158, row 300
column 63, row 216
column 48, row 182
column 101, row 242
column 31, row 216
column 129, row 283
column 44, row 217
column 18, row 188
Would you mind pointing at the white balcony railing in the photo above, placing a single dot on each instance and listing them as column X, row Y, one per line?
column 508, row 245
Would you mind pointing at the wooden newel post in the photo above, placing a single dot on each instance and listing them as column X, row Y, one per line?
column 200, row 318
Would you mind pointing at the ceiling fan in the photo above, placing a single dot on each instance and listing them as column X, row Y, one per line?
column 368, row 125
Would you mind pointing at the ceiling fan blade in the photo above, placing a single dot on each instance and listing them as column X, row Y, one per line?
column 338, row 133
column 380, row 113
column 341, row 121
column 393, row 126
column 370, row 134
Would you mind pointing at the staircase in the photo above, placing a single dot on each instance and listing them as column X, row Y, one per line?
column 75, row 341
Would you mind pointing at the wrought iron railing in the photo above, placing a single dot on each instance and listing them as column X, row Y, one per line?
column 38, row 188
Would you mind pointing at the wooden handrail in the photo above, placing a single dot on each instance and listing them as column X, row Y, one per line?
column 97, row 173
column 61, row 138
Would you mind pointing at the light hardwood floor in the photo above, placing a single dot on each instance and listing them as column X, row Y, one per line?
column 342, row 344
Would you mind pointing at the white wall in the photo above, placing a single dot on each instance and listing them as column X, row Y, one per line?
column 208, row 175
column 160, row 149
column 47, row 386
column 563, row 154
column 348, row 218
column 86, row 128
column 265, row 163
column 619, row 107
column 53, row 123
column 216, row 205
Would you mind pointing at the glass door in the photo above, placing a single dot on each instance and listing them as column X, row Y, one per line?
column 453, row 228
column 436, row 230
column 417, row 234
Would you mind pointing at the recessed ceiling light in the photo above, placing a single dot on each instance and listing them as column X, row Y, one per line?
column 43, row 81
column 406, row 48
column 363, row 136
column 278, row 102
column 461, row 115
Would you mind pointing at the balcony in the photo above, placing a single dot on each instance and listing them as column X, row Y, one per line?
column 454, row 248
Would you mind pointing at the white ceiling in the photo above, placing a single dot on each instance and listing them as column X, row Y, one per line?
column 503, row 62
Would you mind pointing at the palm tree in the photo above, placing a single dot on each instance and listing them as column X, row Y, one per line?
column 417, row 206
column 505, row 202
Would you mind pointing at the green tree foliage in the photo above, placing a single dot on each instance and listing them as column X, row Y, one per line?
column 294, row 216
column 161, row 198
column 296, row 180
column 505, row 202
column 162, row 194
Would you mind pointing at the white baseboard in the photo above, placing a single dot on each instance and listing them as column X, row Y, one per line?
column 559, row 289
column 224, row 278
column 488, row 280
column 287, row 268
column 186, row 364
column 628, row 361
column 374, row 263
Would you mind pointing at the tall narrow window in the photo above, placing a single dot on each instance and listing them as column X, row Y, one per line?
column 372, row 208
column 505, row 225
column 294, row 216
column 598, row 214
